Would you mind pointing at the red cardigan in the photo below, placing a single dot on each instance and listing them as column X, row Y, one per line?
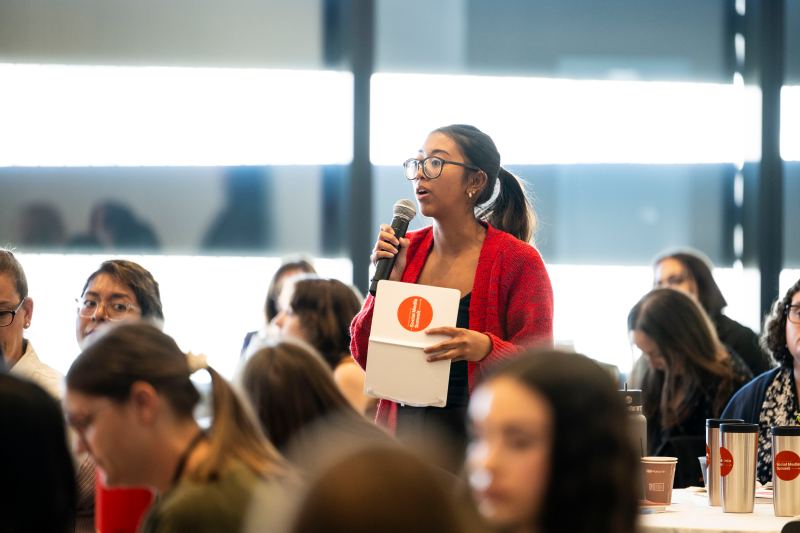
column 511, row 302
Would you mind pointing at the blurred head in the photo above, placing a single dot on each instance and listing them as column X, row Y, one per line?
column 377, row 488
column 125, row 383
column 16, row 308
column 290, row 387
column 284, row 272
column 680, row 344
column 119, row 290
column 42, row 225
column 781, row 336
column 37, row 471
column 319, row 311
column 129, row 392
column 672, row 331
column 689, row 272
column 550, row 430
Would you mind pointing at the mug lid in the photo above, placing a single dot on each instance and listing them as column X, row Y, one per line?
column 632, row 397
column 789, row 431
column 738, row 427
column 715, row 422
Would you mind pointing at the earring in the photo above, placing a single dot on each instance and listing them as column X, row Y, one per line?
column 469, row 194
column 27, row 324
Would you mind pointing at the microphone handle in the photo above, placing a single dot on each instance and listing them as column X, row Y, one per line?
column 384, row 266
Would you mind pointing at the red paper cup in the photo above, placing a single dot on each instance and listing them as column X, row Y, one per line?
column 119, row 510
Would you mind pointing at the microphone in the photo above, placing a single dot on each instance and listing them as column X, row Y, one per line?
column 403, row 212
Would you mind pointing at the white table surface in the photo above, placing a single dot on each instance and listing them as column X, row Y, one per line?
column 690, row 512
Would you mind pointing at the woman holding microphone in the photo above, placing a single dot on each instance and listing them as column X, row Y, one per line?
column 479, row 243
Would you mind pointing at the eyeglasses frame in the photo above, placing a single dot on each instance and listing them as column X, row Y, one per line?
column 420, row 163
column 13, row 313
column 94, row 315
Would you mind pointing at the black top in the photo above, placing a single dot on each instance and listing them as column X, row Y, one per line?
column 744, row 342
column 449, row 420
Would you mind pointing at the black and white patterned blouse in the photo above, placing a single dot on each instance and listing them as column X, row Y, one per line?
column 780, row 408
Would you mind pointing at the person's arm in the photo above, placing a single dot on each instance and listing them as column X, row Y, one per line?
column 529, row 311
column 360, row 328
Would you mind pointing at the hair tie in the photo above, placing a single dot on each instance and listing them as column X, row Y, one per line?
column 196, row 361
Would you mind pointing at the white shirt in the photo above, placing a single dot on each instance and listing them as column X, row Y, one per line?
column 31, row 368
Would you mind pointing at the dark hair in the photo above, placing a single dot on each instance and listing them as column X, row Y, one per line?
column 699, row 267
column 132, row 352
column 140, row 281
column 377, row 488
column 593, row 458
column 773, row 338
column 275, row 285
column 37, row 470
column 11, row 267
column 326, row 307
column 511, row 211
column 696, row 362
column 291, row 388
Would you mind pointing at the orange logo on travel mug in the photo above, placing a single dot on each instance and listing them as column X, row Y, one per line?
column 787, row 465
column 725, row 461
column 415, row 313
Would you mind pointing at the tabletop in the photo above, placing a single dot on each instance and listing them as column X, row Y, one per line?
column 690, row 513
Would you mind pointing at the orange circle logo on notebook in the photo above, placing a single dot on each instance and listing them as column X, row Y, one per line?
column 725, row 461
column 787, row 465
column 415, row 313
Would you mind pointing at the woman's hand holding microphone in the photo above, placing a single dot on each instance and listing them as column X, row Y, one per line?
column 464, row 344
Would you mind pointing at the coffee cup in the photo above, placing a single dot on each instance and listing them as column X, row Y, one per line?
column 659, row 474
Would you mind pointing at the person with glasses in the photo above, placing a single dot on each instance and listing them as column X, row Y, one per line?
column 480, row 244
column 773, row 398
column 16, row 313
column 118, row 290
column 690, row 272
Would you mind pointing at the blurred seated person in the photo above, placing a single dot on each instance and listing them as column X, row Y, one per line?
column 130, row 398
column 319, row 311
column 41, row 226
column 16, row 314
column 37, row 473
column 772, row 398
column 114, row 225
column 550, row 449
column 293, row 393
column 379, row 488
column 690, row 376
column 690, row 272
column 269, row 332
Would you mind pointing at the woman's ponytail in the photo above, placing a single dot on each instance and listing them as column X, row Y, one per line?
column 511, row 210
column 236, row 434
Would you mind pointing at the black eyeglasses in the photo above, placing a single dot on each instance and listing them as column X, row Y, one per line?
column 7, row 317
column 431, row 167
column 793, row 313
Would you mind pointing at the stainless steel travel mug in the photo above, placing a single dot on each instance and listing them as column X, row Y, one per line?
column 785, row 470
column 713, row 479
column 737, row 466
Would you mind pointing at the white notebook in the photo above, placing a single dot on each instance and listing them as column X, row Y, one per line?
column 397, row 368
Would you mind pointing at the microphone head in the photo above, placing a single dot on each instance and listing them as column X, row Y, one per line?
column 404, row 209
